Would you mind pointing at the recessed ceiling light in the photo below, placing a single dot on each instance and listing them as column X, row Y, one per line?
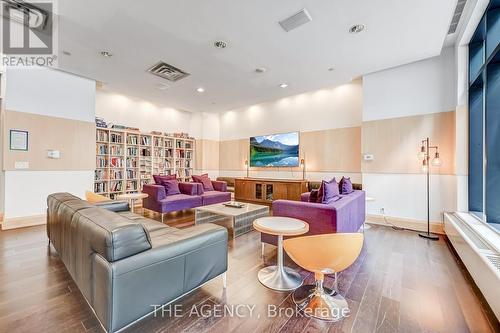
column 357, row 28
column 163, row 86
column 200, row 90
column 261, row 70
column 220, row 44
column 283, row 85
column 106, row 54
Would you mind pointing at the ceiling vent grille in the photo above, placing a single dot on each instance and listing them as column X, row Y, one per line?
column 456, row 16
column 295, row 20
column 168, row 72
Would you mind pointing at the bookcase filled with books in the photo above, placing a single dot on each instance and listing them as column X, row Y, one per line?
column 126, row 160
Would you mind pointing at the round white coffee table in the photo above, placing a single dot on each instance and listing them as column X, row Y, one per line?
column 132, row 198
column 279, row 277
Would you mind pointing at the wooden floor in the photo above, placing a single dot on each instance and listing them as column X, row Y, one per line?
column 400, row 283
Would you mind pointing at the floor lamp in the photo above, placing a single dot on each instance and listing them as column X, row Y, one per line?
column 424, row 154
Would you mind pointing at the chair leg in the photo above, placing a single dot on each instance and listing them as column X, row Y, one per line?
column 224, row 280
column 262, row 250
column 162, row 217
column 320, row 302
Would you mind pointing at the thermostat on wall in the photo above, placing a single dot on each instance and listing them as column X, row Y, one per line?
column 368, row 157
column 54, row 154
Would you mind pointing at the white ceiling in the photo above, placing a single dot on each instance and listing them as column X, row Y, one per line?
column 182, row 32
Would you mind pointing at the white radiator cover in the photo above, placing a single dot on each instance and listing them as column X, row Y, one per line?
column 476, row 252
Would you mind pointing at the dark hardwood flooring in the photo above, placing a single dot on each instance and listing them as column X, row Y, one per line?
column 400, row 283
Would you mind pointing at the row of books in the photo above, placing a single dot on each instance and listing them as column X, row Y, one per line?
column 131, row 162
column 132, row 151
column 100, row 175
column 100, row 187
column 102, row 149
column 116, row 162
column 116, row 174
column 116, row 150
column 116, row 138
column 116, row 186
column 101, row 136
column 101, row 162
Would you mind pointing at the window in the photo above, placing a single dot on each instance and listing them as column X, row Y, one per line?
column 484, row 117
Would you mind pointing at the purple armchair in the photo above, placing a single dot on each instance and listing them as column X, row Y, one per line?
column 345, row 215
column 159, row 202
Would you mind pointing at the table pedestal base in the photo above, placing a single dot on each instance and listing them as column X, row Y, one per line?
column 284, row 279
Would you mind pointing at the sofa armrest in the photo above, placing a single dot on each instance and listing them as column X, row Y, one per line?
column 191, row 188
column 219, row 185
column 155, row 192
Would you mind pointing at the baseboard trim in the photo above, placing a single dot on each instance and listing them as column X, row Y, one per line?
column 417, row 225
column 22, row 222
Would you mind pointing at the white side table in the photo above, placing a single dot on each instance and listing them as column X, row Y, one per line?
column 279, row 277
column 132, row 198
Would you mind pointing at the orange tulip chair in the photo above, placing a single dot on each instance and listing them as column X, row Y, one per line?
column 323, row 254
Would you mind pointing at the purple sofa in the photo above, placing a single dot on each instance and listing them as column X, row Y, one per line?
column 344, row 215
column 192, row 196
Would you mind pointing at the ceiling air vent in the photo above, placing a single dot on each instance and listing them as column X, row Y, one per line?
column 456, row 16
column 168, row 72
column 295, row 20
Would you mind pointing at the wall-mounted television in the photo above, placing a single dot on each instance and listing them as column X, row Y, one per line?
column 276, row 150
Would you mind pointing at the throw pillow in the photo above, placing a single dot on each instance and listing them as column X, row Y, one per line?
column 171, row 186
column 321, row 190
column 205, row 181
column 330, row 190
column 345, row 185
column 159, row 178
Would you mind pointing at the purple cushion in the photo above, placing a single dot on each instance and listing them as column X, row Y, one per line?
column 159, row 178
column 179, row 202
column 345, row 185
column 321, row 190
column 330, row 190
column 205, row 181
column 313, row 196
column 213, row 197
column 171, row 186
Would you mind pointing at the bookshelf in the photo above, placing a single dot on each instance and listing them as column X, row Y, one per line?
column 126, row 160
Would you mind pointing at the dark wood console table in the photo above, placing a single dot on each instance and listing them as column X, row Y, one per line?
column 267, row 190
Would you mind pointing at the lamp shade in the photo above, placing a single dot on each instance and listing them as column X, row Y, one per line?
column 436, row 161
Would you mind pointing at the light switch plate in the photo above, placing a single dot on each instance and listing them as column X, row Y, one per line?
column 21, row 165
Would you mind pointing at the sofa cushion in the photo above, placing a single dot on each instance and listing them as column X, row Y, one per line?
column 213, row 197
column 180, row 202
column 159, row 178
column 321, row 190
column 345, row 185
column 205, row 181
column 111, row 235
column 171, row 186
column 330, row 190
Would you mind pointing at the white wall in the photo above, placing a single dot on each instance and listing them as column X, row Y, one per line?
column 52, row 93
column 135, row 112
column 424, row 87
column 336, row 107
column 27, row 191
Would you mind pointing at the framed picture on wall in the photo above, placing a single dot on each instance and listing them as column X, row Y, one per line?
column 19, row 140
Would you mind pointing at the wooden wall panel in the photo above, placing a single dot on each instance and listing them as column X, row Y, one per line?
column 395, row 143
column 337, row 150
column 233, row 153
column 73, row 138
column 207, row 154
column 334, row 150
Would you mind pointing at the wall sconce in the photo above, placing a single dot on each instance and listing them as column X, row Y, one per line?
column 303, row 166
column 246, row 166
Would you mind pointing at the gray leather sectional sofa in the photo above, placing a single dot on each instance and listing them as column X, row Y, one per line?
column 124, row 263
